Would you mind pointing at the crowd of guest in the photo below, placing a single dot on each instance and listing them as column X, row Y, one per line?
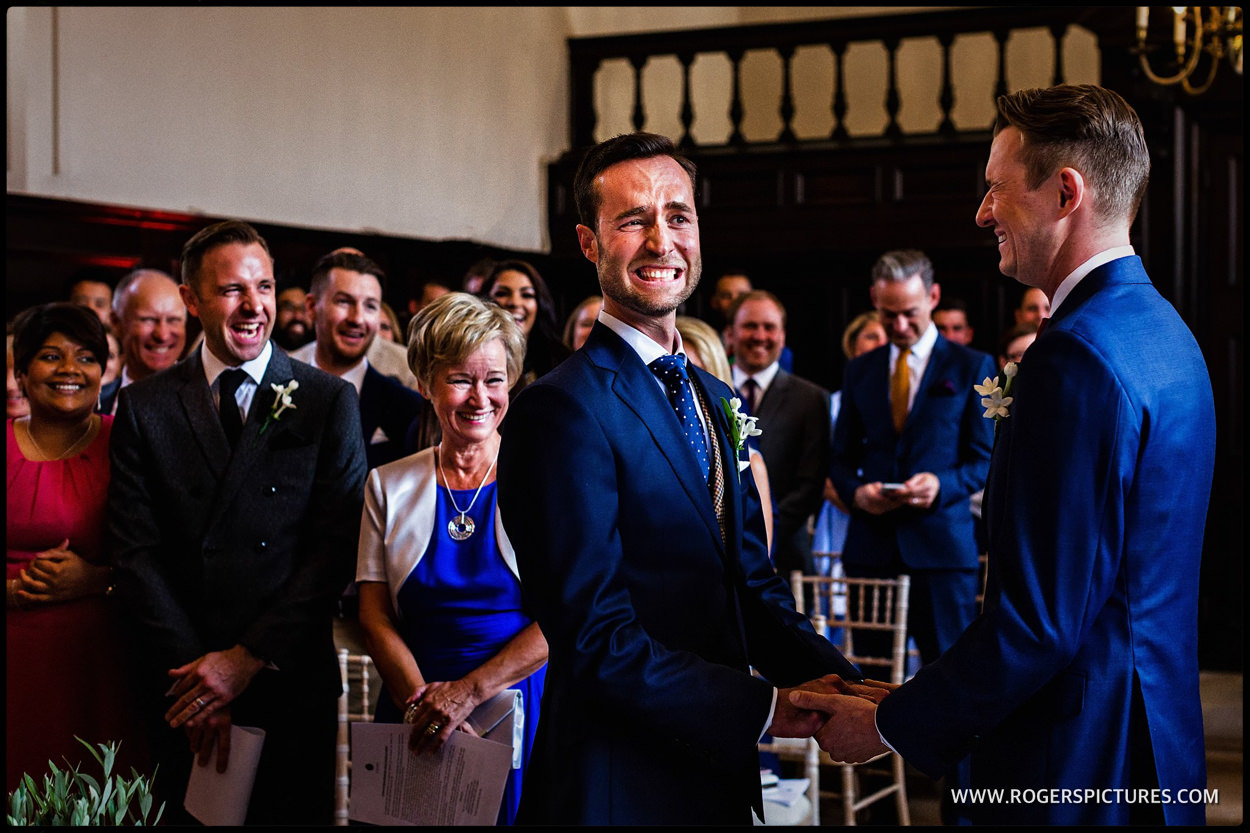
column 436, row 590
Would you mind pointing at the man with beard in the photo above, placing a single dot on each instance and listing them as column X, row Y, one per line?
column 345, row 306
column 641, row 540
column 292, row 328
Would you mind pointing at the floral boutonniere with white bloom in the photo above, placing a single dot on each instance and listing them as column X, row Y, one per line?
column 281, row 401
column 741, row 427
column 996, row 394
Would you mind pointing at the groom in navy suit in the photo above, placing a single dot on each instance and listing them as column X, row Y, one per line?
column 1077, row 687
column 640, row 540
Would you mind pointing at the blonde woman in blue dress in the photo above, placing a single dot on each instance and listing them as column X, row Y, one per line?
column 440, row 597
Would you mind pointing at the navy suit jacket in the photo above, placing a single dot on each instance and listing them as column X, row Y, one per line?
column 650, row 714
column 945, row 433
column 1082, row 671
column 387, row 404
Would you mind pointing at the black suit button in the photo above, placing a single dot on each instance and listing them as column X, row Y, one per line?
column 261, row 546
column 273, row 490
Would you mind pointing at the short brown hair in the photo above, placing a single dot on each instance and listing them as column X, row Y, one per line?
column 1086, row 127
column 207, row 239
column 756, row 295
column 341, row 259
column 620, row 148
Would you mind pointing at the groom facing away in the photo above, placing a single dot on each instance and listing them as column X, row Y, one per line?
column 1078, row 683
column 641, row 545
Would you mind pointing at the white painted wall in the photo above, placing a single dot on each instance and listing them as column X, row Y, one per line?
column 426, row 122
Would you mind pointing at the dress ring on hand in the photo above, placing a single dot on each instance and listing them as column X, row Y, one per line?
column 433, row 729
column 199, row 703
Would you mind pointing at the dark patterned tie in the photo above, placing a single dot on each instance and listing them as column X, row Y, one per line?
column 750, row 390
column 671, row 370
column 228, row 408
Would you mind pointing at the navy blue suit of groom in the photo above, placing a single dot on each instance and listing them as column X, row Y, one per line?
column 214, row 546
column 1082, row 671
column 650, row 714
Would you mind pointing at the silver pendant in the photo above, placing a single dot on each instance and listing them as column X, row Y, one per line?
column 460, row 528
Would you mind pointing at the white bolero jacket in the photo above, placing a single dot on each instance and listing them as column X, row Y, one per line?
column 398, row 520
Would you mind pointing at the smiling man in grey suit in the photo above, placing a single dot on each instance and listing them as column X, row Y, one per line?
column 233, row 532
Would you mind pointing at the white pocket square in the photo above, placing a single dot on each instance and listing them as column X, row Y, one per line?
column 379, row 436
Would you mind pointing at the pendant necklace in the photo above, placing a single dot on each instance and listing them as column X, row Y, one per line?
column 72, row 447
column 461, row 527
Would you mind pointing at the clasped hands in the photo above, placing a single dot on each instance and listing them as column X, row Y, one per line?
column 437, row 709
column 202, row 692
column 840, row 715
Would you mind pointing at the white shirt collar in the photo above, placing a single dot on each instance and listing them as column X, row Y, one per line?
column 763, row 379
column 356, row 375
column 1079, row 273
column 255, row 369
column 921, row 349
column 641, row 344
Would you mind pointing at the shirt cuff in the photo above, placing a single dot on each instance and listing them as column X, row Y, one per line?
column 772, row 709
column 883, row 740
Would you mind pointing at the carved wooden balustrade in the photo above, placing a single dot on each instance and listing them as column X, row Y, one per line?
column 588, row 55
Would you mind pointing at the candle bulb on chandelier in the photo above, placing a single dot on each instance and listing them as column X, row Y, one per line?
column 1178, row 32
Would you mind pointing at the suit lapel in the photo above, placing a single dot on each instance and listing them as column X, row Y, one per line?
column 774, row 399
column 639, row 391
column 196, row 399
column 934, row 369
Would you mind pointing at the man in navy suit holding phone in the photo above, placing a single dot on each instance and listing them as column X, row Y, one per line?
column 1076, row 689
column 909, row 448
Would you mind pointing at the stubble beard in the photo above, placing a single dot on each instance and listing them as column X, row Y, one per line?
column 615, row 286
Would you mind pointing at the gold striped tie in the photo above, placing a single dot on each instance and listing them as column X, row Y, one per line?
column 717, row 474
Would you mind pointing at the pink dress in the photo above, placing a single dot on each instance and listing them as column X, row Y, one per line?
column 65, row 671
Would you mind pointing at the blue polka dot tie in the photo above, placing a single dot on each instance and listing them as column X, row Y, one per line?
column 671, row 370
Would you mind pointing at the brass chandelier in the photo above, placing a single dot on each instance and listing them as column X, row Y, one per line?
column 1214, row 31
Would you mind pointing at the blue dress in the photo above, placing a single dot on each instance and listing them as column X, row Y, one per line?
column 460, row 606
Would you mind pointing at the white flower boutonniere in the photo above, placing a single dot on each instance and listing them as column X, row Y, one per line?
column 741, row 426
column 996, row 394
column 281, row 401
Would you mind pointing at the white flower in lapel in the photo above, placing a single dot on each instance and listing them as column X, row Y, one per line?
column 741, row 426
column 997, row 395
column 281, row 401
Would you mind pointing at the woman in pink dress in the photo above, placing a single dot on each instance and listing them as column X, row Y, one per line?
column 65, row 672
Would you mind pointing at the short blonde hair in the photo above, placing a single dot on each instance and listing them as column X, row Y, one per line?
column 453, row 327
column 705, row 341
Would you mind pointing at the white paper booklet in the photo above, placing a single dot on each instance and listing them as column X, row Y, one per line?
column 462, row 784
